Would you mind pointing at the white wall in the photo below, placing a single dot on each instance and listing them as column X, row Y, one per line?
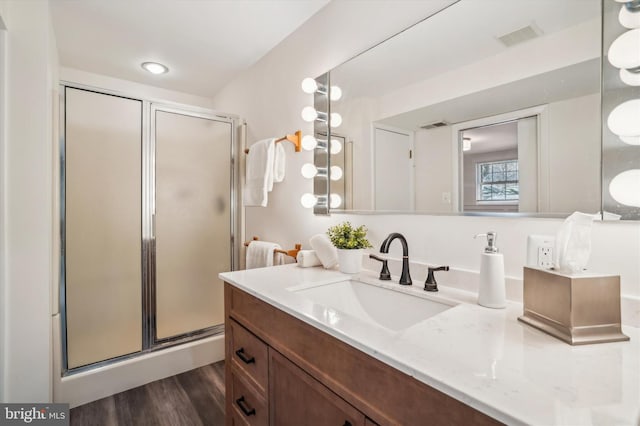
column 27, row 204
column 433, row 153
column 269, row 97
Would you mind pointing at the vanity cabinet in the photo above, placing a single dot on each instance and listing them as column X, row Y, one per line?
column 283, row 371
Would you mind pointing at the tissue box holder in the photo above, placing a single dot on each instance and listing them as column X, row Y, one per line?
column 579, row 309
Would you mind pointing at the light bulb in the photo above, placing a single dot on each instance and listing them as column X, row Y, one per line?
column 309, row 143
column 309, row 114
column 154, row 67
column 335, row 201
column 466, row 144
column 336, row 146
column 309, row 170
column 629, row 19
column 336, row 173
column 624, row 52
column 630, row 140
column 625, row 188
column 309, row 85
column 623, row 120
column 336, row 119
column 336, row 93
column 630, row 78
column 308, row 200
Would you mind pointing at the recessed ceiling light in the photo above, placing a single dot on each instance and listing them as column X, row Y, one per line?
column 154, row 67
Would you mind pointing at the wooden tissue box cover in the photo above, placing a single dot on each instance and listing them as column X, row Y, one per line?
column 578, row 309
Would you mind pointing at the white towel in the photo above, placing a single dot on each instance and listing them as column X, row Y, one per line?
column 308, row 258
column 325, row 251
column 262, row 253
column 279, row 161
column 259, row 179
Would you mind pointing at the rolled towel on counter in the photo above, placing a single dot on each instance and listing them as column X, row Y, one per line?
column 308, row 258
column 325, row 251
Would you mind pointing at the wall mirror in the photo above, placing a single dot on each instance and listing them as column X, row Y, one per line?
column 459, row 114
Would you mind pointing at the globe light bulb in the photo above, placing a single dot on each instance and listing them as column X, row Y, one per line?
column 309, row 170
column 308, row 200
column 624, row 188
column 336, row 173
column 630, row 78
column 624, row 52
column 309, row 114
column 336, row 146
column 335, row 201
column 309, row 143
column 629, row 19
column 336, row 119
column 623, row 120
column 309, row 85
column 336, row 93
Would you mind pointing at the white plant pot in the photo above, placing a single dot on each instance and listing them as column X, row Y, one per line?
column 350, row 261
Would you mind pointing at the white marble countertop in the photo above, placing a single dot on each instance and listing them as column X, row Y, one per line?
column 483, row 357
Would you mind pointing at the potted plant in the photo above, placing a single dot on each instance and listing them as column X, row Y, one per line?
column 350, row 243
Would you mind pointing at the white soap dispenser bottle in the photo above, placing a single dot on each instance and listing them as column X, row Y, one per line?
column 491, row 292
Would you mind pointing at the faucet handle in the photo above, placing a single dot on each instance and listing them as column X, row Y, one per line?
column 384, row 272
column 430, row 284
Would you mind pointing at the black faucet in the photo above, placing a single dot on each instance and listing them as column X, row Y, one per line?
column 384, row 272
column 430, row 284
column 405, row 277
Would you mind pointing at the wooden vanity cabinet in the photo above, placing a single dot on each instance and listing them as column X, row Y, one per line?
column 300, row 375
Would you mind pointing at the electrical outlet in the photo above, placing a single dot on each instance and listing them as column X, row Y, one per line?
column 540, row 251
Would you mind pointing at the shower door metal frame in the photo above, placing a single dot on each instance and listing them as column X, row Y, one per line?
column 149, row 343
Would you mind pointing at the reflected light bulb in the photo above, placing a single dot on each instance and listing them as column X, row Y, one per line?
column 336, row 146
column 336, row 119
column 629, row 19
column 308, row 200
column 336, row 173
column 336, row 93
column 309, row 143
column 623, row 120
column 625, row 188
column 309, row 114
column 309, row 170
column 309, row 85
column 630, row 78
column 335, row 201
column 466, row 144
column 624, row 52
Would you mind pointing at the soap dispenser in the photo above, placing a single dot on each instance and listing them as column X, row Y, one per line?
column 491, row 292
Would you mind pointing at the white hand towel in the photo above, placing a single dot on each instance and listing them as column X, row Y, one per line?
column 308, row 258
column 279, row 161
column 325, row 251
column 259, row 178
column 261, row 254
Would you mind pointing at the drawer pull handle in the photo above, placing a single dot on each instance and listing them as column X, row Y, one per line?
column 245, row 409
column 243, row 357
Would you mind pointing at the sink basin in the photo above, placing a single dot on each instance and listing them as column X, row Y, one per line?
column 387, row 308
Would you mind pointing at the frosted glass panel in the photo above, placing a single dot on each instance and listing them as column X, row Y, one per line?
column 193, row 222
column 103, row 230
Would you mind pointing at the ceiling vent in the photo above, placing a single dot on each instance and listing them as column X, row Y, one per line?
column 520, row 36
column 435, row 125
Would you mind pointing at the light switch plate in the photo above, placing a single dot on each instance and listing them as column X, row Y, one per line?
column 540, row 251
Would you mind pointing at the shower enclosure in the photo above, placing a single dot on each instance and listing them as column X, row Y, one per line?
column 147, row 223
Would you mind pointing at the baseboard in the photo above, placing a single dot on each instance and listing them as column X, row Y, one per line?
column 87, row 386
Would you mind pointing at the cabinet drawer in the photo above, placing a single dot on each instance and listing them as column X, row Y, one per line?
column 249, row 354
column 248, row 407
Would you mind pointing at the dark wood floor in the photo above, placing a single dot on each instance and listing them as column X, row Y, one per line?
column 192, row 398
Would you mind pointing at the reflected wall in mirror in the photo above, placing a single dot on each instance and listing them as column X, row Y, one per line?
column 530, row 69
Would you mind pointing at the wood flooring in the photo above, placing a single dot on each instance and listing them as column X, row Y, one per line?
column 194, row 398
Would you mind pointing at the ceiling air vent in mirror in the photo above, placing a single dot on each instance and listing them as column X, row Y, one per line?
column 519, row 36
column 435, row 125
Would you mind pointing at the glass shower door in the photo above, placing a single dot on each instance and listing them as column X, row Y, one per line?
column 192, row 221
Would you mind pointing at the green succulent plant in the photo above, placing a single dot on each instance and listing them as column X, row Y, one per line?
column 345, row 236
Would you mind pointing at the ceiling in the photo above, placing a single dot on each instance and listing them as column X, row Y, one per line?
column 205, row 43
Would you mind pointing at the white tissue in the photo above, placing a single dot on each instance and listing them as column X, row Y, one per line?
column 573, row 243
